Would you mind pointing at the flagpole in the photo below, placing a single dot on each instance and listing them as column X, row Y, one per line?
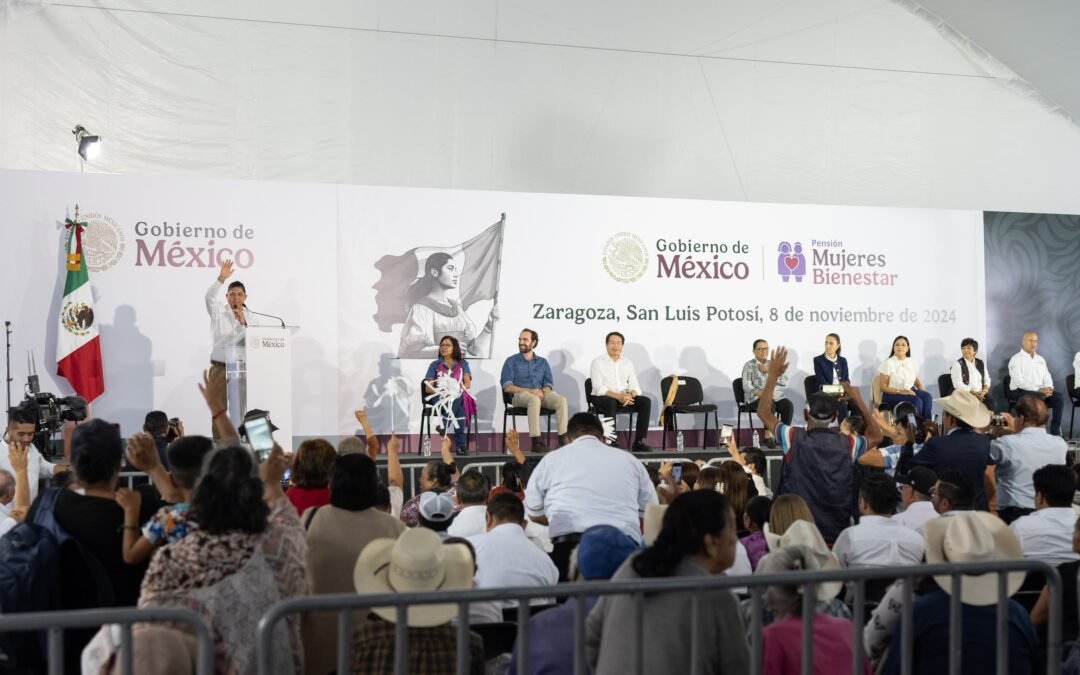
column 498, row 276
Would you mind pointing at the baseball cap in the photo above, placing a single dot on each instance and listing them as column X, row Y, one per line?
column 920, row 478
column 436, row 507
column 601, row 550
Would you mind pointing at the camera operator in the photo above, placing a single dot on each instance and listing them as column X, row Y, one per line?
column 1022, row 447
column 22, row 423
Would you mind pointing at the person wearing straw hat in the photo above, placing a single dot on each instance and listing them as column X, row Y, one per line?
column 415, row 562
column 781, row 639
column 968, row 537
column 802, row 534
column 960, row 447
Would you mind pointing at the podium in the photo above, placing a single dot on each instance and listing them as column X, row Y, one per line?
column 259, row 376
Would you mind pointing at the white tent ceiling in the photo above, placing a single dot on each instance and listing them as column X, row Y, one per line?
column 821, row 101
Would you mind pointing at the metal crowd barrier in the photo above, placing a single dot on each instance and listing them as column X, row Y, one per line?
column 56, row 622
column 577, row 592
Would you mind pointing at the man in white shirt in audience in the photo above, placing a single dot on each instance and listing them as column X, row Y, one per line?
column 505, row 557
column 915, row 488
column 970, row 373
column 878, row 540
column 1017, row 456
column 584, row 483
column 1029, row 376
column 614, row 384
column 1047, row 533
column 22, row 422
column 472, row 496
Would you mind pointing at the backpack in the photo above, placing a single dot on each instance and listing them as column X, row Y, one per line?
column 30, row 571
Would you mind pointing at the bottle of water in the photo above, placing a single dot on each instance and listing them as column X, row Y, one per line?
column 679, row 443
column 425, row 446
column 757, row 440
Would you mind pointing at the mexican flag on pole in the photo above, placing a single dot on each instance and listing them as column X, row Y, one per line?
column 78, row 346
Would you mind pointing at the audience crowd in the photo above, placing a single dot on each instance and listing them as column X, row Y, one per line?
column 219, row 532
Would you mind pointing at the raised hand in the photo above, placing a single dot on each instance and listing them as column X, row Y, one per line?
column 142, row 452
column 212, row 390
column 393, row 444
column 513, row 441
column 17, row 453
column 273, row 467
column 778, row 364
column 129, row 500
column 226, row 271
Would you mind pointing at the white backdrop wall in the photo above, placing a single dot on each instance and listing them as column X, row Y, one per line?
column 314, row 248
column 824, row 101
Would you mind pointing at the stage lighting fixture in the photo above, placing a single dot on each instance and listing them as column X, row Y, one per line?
column 89, row 144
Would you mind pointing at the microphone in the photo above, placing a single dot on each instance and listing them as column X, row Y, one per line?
column 269, row 316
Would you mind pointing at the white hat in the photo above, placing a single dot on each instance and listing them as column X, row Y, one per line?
column 973, row 536
column 963, row 405
column 436, row 507
column 415, row 562
column 804, row 533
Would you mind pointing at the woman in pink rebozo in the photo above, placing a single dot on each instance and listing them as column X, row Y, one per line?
column 449, row 375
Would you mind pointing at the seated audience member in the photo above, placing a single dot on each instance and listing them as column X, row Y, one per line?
column 654, row 520
column 1018, row 455
column 904, row 442
column 781, row 638
column 802, row 534
column 1029, row 376
column 436, row 512
column 598, row 555
column 156, row 423
column 899, row 380
column 754, row 374
column 697, row 539
column 247, row 555
column 915, row 489
column 786, row 509
column 972, row 537
column 878, row 540
column 395, row 477
column 614, row 384
column 854, row 425
column 952, row 493
column 526, row 376
column 353, row 445
column 479, row 612
column 753, row 462
column 171, row 523
column 755, row 518
column 960, row 448
column 471, row 499
column 970, row 373
column 505, row 557
column 415, row 562
column 735, row 484
column 22, row 423
column 818, row 460
column 831, row 369
column 336, row 535
column 1046, row 533
column 437, row 474
column 585, row 483
column 1070, row 621
column 309, row 480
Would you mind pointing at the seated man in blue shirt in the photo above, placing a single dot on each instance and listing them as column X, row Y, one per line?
column 528, row 378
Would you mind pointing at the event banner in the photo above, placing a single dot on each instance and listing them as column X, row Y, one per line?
column 373, row 277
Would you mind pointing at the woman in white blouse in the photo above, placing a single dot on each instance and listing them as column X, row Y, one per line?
column 899, row 378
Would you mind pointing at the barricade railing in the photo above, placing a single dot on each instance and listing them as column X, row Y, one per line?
column 344, row 604
column 55, row 623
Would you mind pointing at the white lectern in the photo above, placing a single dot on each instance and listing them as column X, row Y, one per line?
column 260, row 377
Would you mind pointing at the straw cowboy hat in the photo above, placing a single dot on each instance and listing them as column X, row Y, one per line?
column 973, row 536
column 963, row 405
column 415, row 562
column 804, row 533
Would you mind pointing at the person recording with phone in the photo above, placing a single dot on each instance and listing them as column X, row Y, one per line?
column 1022, row 447
column 228, row 321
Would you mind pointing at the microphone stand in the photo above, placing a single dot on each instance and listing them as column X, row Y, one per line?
column 269, row 316
column 7, row 338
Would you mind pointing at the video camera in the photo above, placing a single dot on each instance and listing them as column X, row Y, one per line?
column 50, row 412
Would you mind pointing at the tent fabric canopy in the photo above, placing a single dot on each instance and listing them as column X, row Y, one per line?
column 960, row 104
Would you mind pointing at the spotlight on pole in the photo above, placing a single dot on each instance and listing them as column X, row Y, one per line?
column 89, row 144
